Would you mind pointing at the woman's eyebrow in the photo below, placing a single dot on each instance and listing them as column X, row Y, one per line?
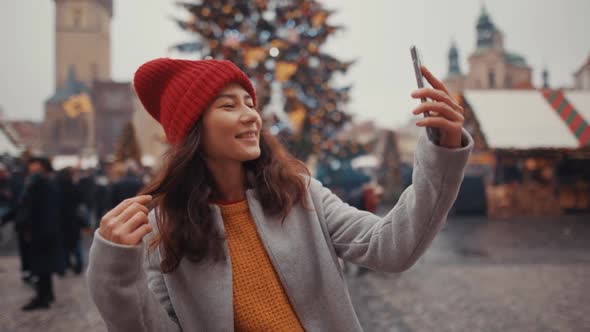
column 232, row 96
column 226, row 96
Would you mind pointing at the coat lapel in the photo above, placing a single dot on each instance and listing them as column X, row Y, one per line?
column 211, row 285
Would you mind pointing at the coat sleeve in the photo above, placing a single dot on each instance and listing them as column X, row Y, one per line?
column 395, row 242
column 128, row 289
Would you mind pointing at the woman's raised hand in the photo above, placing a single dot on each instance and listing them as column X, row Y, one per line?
column 127, row 223
column 449, row 118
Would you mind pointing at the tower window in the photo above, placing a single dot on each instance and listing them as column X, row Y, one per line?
column 77, row 17
column 492, row 79
column 94, row 70
column 72, row 128
column 56, row 131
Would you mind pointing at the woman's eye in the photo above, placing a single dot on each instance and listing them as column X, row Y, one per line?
column 227, row 106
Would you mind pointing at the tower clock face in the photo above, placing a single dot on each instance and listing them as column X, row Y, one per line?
column 486, row 35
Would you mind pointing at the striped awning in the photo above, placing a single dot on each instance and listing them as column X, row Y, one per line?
column 574, row 109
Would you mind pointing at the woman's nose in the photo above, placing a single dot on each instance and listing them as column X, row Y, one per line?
column 249, row 114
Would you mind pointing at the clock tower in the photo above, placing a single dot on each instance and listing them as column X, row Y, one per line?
column 485, row 30
column 86, row 114
column 83, row 40
column 82, row 60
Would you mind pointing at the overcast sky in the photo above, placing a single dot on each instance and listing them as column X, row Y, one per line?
column 546, row 32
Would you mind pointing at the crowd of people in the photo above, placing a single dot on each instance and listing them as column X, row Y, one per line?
column 50, row 209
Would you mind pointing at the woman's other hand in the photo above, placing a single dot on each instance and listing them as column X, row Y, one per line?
column 127, row 223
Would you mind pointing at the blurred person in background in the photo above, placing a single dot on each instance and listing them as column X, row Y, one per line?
column 38, row 216
column 88, row 190
column 73, row 220
column 7, row 197
column 101, row 194
column 128, row 185
column 12, row 188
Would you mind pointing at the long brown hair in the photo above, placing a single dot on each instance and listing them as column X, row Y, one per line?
column 182, row 191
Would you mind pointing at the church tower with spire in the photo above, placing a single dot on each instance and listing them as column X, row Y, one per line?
column 491, row 66
column 486, row 31
column 455, row 79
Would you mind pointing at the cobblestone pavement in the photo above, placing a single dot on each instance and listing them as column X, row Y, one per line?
column 519, row 275
column 525, row 275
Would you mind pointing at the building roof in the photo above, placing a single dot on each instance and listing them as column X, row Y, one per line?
column 72, row 87
column 7, row 145
column 515, row 59
column 484, row 20
column 23, row 133
column 580, row 99
column 519, row 119
column 586, row 64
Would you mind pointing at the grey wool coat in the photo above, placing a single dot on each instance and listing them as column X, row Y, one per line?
column 133, row 295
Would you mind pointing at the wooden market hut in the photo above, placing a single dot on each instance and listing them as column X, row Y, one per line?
column 532, row 150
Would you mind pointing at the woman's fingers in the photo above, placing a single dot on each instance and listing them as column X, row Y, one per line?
column 139, row 233
column 129, row 226
column 442, row 109
column 119, row 229
column 437, row 95
column 143, row 199
column 111, row 225
column 435, row 82
column 131, row 210
column 449, row 114
column 439, row 122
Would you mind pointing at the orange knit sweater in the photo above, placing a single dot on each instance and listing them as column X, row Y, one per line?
column 260, row 302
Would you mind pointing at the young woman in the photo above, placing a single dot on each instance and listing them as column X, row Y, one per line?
column 239, row 237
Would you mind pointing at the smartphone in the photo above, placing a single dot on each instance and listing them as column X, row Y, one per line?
column 433, row 133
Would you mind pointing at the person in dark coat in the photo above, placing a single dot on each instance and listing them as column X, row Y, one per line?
column 88, row 191
column 11, row 188
column 6, row 194
column 39, row 215
column 127, row 186
column 72, row 220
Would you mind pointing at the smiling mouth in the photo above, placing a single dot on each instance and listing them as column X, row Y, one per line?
column 247, row 135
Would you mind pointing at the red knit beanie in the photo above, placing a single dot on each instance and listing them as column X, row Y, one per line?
column 177, row 92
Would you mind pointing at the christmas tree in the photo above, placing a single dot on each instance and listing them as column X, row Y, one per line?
column 127, row 146
column 277, row 42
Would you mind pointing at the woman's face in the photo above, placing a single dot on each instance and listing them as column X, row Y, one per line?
column 231, row 127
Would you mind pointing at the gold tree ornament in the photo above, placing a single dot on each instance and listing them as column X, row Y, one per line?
column 284, row 71
column 254, row 55
column 319, row 19
column 297, row 116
